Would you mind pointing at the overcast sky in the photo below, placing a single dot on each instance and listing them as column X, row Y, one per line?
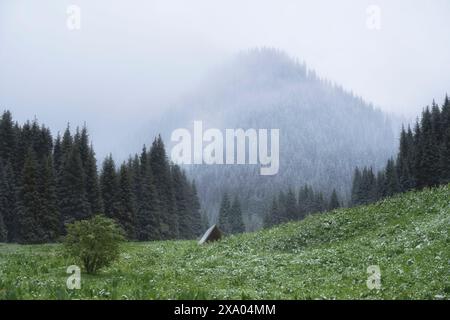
column 130, row 58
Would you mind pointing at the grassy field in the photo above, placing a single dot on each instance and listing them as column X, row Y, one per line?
column 323, row 257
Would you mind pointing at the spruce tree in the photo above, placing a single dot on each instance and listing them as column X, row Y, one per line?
column 127, row 204
column 163, row 182
column 404, row 161
column 427, row 170
column 181, row 203
column 148, row 226
column 224, row 214
column 334, row 201
column 236, row 221
column 48, row 215
column 291, row 206
column 392, row 184
column 29, row 202
column 92, row 183
column 196, row 215
column 444, row 158
column 8, row 200
column 109, row 188
column 72, row 198
column 7, row 137
column 57, row 153
column 3, row 231
column 272, row 217
column 356, row 188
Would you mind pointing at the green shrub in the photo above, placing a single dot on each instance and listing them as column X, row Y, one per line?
column 94, row 242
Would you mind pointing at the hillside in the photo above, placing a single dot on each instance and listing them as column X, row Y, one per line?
column 325, row 131
column 324, row 256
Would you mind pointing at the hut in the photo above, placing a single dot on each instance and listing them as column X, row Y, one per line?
column 212, row 234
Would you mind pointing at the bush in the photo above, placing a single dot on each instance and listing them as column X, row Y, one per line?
column 94, row 242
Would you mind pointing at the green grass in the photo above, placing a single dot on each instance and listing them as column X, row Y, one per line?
column 322, row 257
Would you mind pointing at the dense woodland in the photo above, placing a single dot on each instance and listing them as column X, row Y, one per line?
column 46, row 183
column 287, row 206
column 423, row 160
column 230, row 215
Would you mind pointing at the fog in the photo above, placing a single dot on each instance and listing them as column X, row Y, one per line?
column 132, row 59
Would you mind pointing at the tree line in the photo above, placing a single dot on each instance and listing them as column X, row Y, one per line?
column 230, row 215
column 46, row 183
column 287, row 206
column 423, row 159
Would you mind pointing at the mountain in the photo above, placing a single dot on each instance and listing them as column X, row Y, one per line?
column 325, row 131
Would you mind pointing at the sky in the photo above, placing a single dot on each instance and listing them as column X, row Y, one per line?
column 129, row 60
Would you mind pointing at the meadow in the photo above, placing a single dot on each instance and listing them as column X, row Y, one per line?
column 325, row 256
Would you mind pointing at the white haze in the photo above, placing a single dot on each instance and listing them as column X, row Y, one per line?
column 131, row 59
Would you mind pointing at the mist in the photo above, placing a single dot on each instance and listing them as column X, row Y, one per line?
column 130, row 61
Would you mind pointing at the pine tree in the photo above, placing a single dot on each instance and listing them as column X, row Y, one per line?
column 7, row 137
column 272, row 217
column 281, row 217
column 72, row 199
column 181, row 202
column 163, row 182
column 291, row 206
column 148, row 226
column 109, row 186
column 3, row 231
column 356, row 188
column 306, row 201
column 404, row 162
column 57, row 153
column 196, row 216
column 444, row 156
column 92, row 183
column 127, row 204
column 224, row 214
column 427, row 169
column 48, row 217
column 392, row 184
column 8, row 201
column 320, row 204
column 334, row 201
column 381, row 185
column 29, row 202
column 236, row 221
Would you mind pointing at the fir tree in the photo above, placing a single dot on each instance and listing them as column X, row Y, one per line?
column 392, row 184
column 272, row 217
column 109, row 188
column 72, row 199
column 8, row 201
column 291, row 206
column 7, row 137
column 3, row 230
column 92, row 183
column 29, row 202
column 236, row 221
column 197, row 217
column 224, row 214
column 48, row 215
column 164, row 188
column 148, row 214
column 127, row 205
column 334, row 201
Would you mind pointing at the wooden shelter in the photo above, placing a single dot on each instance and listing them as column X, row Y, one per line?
column 212, row 234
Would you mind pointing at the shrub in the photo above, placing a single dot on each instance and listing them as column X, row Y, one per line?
column 94, row 242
